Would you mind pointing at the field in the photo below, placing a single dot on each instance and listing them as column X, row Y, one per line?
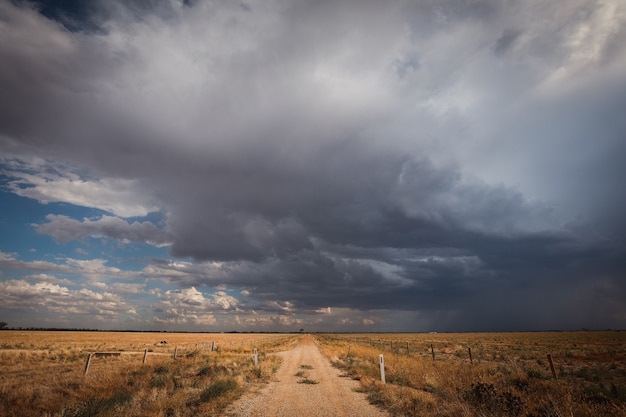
column 429, row 375
column 509, row 374
column 43, row 373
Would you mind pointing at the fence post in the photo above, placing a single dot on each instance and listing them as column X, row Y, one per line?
column 551, row 366
column 256, row 357
column 212, row 346
column 469, row 349
column 175, row 352
column 432, row 351
column 382, row 368
column 145, row 355
column 88, row 363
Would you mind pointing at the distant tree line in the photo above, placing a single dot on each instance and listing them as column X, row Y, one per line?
column 3, row 326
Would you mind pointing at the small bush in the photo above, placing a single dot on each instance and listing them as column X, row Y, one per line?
column 218, row 389
column 487, row 397
column 94, row 407
column 158, row 381
column 206, row 371
column 533, row 373
column 163, row 369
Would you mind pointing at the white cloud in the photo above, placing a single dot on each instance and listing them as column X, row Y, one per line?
column 8, row 260
column 89, row 268
column 45, row 296
column 191, row 306
column 64, row 229
column 46, row 182
column 127, row 288
column 48, row 279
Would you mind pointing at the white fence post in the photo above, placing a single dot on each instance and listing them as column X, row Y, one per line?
column 382, row 368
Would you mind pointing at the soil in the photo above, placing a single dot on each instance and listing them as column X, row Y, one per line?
column 306, row 385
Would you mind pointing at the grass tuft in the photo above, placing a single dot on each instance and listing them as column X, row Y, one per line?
column 217, row 389
column 308, row 381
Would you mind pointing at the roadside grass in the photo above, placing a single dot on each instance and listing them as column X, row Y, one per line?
column 38, row 380
column 509, row 375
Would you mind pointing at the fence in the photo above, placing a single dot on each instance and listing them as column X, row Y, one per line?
column 428, row 348
column 240, row 346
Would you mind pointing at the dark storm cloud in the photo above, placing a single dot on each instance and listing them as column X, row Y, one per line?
column 417, row 156
column 505, row 41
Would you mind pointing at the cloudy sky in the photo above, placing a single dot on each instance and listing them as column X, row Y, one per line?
column 427, row 165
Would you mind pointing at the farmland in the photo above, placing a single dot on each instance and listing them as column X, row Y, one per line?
column 430, row 375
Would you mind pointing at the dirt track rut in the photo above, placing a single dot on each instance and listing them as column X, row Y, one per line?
column 285, row 397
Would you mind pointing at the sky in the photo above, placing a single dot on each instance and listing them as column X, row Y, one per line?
column 447, row 165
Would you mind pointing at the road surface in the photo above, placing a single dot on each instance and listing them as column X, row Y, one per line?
column 332, row 395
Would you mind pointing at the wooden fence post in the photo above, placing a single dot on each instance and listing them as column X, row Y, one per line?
column 469, row 349
column 145, row 355
column 432, row 351
column 175, row 352
column 551, row 366
column 256, row 357
column 88, row 363
column 382, row 368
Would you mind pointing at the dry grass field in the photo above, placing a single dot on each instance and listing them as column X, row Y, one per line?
column 43, row 373
column 509, row 373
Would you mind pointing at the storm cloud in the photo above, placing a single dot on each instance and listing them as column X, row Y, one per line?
column 439, row 165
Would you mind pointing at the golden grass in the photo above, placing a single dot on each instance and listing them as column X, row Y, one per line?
column 509, row 375
column 42, row 373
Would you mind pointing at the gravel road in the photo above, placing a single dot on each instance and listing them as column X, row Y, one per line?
column 285, row 397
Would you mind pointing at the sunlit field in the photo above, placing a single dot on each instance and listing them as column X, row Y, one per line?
column 43, row 373
column 508, row 374
column 430, row 375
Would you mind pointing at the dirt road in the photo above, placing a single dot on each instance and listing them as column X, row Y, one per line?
column 332, row 395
